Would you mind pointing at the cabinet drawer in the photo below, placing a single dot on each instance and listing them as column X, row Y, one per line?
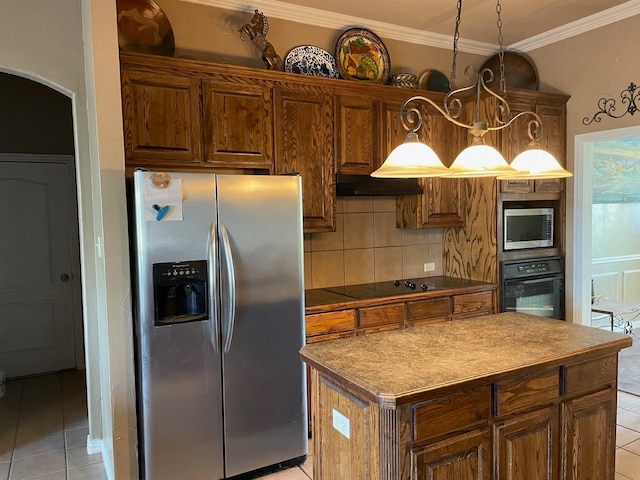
column 331, row 322
column 454, row 413
column 522, row 393
column 589, row 376
column 472, row 304
column 383, row 315
column 429, row 309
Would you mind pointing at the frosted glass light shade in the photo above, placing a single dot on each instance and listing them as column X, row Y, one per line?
column 479, row 161
column 537, row 163
column 411, row 159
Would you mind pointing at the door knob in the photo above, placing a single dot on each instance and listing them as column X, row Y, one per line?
column 65, row 277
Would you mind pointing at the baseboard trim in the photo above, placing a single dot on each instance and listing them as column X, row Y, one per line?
column 94, row 445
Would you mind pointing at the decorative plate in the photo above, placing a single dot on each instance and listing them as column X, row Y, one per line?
column 361, row 55
column 433, row 80
column 312, row 61
column 144, row 27
column 519, row 71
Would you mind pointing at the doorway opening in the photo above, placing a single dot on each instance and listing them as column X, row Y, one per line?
column 606, row 219
column 40, row 289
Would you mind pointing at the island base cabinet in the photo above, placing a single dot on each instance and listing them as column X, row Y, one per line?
column 588, row 436
column 462, row 457
column 526, row 446
column 342, row 431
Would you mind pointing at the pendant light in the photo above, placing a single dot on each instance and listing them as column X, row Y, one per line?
column 414, row 159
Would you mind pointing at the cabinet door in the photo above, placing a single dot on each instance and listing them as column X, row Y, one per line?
column 238, row 125
column 442, row 202
column 526, row 446
column 553, row 139
column 304, row 145
column 588, row 436
column 356, row 131
column 515, row 139
column 461, row 457
column 162, row 119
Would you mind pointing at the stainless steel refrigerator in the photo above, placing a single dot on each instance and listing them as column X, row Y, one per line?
column 219, row 319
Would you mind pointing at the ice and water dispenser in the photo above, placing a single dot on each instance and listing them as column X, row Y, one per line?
column 180, row 292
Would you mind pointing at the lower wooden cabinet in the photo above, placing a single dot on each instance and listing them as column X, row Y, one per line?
column 526, row 446
column 522, row 425
column 464, row 456
column 588, row 436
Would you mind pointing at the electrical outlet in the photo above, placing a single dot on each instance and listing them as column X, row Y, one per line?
column 429, row 267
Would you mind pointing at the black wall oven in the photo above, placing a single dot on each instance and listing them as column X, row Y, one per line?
column 534, row 286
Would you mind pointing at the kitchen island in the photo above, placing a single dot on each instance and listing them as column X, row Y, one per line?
column 508, row 395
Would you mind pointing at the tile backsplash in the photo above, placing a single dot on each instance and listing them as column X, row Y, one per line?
column 367, row 247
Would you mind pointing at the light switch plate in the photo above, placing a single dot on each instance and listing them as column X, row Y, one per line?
column 341, row 423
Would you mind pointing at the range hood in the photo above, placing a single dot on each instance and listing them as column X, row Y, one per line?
column 353, row 185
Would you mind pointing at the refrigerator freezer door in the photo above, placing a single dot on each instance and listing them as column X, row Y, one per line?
column 178, row 373
column 264, row 378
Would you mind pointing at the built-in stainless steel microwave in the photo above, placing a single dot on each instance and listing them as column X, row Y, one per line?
column 528, row 228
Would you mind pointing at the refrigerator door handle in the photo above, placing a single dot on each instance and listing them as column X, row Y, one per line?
column 214, row 313
column 228, row 324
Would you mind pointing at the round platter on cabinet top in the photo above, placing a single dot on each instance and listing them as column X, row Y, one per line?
column 312, row 61
column 362, row 56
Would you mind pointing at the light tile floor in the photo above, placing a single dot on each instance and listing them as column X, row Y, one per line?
column 43, row 433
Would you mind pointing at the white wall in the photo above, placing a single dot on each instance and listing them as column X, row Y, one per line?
column 45, row 41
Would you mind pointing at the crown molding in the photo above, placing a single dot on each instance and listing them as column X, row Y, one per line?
column 597, row 20
column 337, row 21
column 340, row 22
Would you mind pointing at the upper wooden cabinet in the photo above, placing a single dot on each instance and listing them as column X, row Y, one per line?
column 238, row 122
column 357, row 133
column 162, row 119
column 304, row 134
column 514, row 139
column 442, row 202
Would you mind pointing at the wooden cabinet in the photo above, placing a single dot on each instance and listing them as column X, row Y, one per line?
column 357, row 138
column 588, row 436
column 304, row 145
column 238, row 125
column 460, row 414
column 380, row 318
column 430, row 310
column 514, row 139
column 330, row 325
column 442, row 202
column 461, row 457
column 473, row 304
column 526, row 428
column 588, row 419
column 162, row 119
column 526, row 446
column 376, row 315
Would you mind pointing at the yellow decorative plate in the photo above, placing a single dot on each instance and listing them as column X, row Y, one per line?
column 361, row 55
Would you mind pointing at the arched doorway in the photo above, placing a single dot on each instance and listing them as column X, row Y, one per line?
column 40, row 284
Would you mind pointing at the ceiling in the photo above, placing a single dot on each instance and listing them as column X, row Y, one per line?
column 527, row 24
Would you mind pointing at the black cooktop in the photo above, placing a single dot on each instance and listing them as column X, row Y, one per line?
column 366, row 291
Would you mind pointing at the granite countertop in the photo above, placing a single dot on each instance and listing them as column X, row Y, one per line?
column 390, row 365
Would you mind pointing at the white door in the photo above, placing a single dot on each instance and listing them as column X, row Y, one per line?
column 38, row 242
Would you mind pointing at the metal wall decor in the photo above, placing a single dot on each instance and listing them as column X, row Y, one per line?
column 630, row 97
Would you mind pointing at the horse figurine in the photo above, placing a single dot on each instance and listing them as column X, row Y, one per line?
column 257, row 30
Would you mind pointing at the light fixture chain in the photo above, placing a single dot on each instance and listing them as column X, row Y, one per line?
column 503, row 82
column 456, row 37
